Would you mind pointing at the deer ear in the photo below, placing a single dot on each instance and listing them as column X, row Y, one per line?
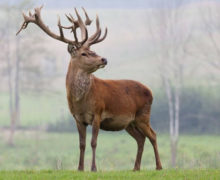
column 71, row 49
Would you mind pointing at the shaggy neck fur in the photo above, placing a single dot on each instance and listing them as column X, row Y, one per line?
column 80, row 81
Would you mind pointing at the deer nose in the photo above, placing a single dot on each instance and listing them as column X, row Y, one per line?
column 104, row 61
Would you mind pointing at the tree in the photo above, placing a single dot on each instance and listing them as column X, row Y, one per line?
column 210, row 50
column 21, row 67
column 170, row 40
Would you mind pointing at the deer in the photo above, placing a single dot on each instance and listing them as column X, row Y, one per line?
column 110, row 105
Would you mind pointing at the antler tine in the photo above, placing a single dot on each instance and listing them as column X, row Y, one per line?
column 104, row 36
column 97, row 30
column 68, row 27
column 84, row 32
column 88, row 21
column 22, row 27
column 72, row 27
column 96, row 38
column 25, row 23
column 74, row 33
column 75, row 22
column 60, row 27
column 96, row 35
column 30, row 14
column 36, row 19
column 70, row 20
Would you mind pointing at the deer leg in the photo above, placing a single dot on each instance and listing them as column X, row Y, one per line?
column 140, row 139
column 149, row 132
column 95, row 131
column 153, row 140
column 82, row 144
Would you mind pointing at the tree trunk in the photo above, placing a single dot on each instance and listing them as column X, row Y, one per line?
column 11, row 109
column 10, row 87
column 170, row 103
column 17, row 83
column 173, row 106
column 173, row 147
column 14, row 105
column 12, row 130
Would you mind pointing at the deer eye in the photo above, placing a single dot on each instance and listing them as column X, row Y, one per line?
column 84, row 54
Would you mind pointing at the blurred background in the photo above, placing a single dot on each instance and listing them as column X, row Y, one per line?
column 172, row 46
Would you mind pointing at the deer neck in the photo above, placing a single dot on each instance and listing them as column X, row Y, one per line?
column 78, row 82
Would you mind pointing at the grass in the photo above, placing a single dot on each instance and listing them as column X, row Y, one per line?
column 210, row 174
column 36, row 110
column 115, row 151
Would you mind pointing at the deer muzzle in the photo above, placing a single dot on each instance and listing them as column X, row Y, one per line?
column 104, row 61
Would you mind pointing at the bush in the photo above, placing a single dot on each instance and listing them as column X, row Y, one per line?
column 63, row 125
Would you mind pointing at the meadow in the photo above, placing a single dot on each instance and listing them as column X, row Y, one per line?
column 165, row 174
column 36, row 110
column 130, row 48
column 36, row 150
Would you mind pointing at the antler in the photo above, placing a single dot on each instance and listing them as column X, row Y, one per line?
column 95, row 38
column 92, row 39
column 36, row 19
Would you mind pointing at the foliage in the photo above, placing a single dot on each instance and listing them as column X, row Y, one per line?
column 62, row 125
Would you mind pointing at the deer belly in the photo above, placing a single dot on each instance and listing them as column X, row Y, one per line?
column 116, row 123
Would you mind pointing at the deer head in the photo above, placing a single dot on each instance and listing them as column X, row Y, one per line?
column 80, row 51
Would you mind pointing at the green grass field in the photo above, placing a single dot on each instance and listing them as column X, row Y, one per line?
column 115, row 151
column 164, row 174
column 36, row 110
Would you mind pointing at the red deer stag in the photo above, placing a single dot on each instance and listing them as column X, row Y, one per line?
column 110, row 105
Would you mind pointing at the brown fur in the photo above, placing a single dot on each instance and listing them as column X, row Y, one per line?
column 110, row 105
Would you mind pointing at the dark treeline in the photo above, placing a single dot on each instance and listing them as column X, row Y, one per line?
column 199, row 112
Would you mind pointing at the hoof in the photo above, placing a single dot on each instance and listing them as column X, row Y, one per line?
column 80, row 169
column 94, row 169
column 159, row 168
column 136, row 169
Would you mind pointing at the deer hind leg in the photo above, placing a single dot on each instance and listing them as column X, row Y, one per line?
column 143, row 123
column 140, row 138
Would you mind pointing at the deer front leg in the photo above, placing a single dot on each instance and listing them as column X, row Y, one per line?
column 95, row 131
column 82, row 144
